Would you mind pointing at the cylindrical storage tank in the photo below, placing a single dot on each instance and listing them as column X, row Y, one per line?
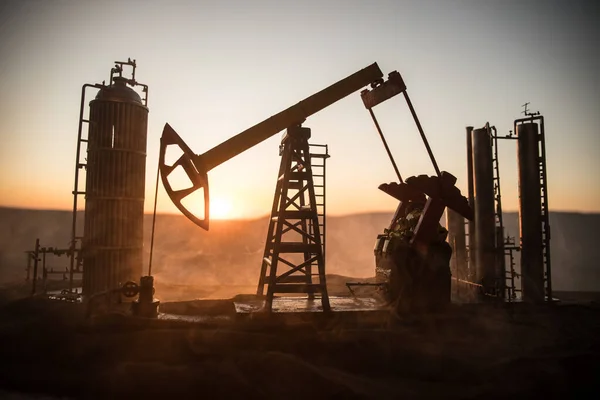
column 530, row 219
column 484, row 214
column 115, row 184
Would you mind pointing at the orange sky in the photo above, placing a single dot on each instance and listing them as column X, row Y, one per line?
column 214, row 70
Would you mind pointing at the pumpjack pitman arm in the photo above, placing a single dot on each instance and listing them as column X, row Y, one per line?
column 196, row 166
column 440, row 189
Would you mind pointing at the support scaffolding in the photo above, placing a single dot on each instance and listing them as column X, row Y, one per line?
column 39, row 256
column 294, row 237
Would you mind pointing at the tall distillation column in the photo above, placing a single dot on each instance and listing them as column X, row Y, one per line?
column 115, row 183
column 484, row 222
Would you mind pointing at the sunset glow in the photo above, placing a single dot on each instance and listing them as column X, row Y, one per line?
column 220, row 208
column 228, row 83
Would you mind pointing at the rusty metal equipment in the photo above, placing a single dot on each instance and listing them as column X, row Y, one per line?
column 440, row 189
column 435, row 193
column 416, row 269
column 111, row 244
column 145, row 305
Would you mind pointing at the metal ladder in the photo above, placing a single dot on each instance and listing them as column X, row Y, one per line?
column 74, row 249
column 496, row 179
column 544, row 212
column 319, row 153
column 504, row 278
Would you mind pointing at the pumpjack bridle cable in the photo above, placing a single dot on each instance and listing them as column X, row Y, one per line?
column 153, row 222
column 387, row 149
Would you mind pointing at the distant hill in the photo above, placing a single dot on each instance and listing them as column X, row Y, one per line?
column 231, row 252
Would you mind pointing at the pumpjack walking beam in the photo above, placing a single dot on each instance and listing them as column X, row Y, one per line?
column 197, row 166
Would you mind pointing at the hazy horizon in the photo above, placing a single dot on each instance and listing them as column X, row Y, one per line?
column 185, row 253
column 267, row 215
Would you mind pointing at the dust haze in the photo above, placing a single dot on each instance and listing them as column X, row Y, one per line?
column 226, row 260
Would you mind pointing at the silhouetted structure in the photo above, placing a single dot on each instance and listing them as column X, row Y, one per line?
column 295, row 174
column 294, row 238
column 112, row 241
column 488, row 249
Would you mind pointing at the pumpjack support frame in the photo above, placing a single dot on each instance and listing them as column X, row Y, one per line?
column 294, row 236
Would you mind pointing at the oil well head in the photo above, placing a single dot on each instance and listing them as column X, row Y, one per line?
column 115, row 184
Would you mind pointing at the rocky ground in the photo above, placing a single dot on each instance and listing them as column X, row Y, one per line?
column 49, row 350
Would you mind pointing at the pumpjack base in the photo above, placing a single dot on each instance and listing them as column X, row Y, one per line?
column 305, row 304
column 245, row 311
column 145, row 309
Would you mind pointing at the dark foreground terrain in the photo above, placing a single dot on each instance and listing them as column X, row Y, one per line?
column 485, row 351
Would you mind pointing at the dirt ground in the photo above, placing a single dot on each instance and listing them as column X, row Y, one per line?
column 49, row 350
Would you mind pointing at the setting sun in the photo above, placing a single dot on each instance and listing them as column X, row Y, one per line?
column 220, row 208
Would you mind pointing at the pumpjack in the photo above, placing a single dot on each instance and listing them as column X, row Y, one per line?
column 294, row 239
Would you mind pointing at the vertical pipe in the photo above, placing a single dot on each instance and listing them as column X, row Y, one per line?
column 485, row 223
column 36, row 260
column 530, row 220
column 44, row 271
column 500, row 262
column 153, row 223
column 471, row 191
column 457, row 239
column 28, row 266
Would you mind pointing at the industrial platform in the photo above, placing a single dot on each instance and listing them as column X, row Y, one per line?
column 285, row 310
column 283, row 305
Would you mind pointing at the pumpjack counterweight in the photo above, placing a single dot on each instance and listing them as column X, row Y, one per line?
column 294, row 237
